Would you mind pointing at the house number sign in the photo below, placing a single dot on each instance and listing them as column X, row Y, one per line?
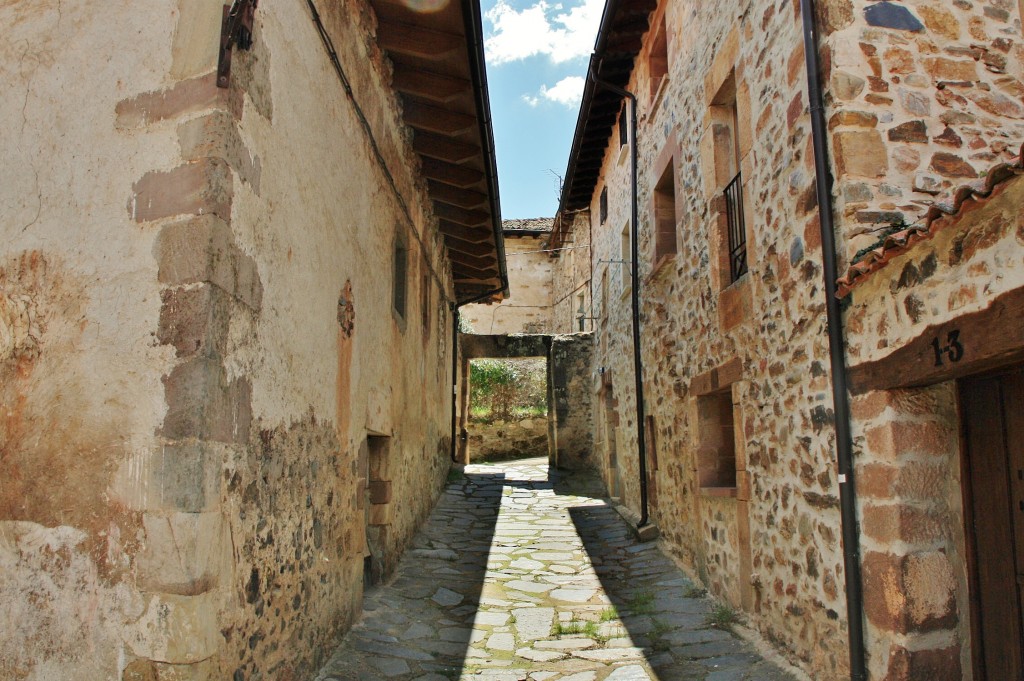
column 953, row 350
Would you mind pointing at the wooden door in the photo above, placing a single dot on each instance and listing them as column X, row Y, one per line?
column 992, row 409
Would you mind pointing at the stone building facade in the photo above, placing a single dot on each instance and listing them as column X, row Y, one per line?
column 225, row 332
column 527, row 308
column 921, row 99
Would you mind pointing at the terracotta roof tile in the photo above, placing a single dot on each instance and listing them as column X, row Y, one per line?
column 527, row 224
column 899, row 242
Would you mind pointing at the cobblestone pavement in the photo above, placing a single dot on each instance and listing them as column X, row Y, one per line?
column 517, row 577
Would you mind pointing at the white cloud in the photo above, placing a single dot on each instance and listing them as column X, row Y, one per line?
column 532, row 101
column 567, row 91
column 542, row 29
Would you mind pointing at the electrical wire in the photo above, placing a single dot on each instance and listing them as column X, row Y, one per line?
column 364, row 122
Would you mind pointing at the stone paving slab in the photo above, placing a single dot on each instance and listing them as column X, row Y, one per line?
column 522, row 577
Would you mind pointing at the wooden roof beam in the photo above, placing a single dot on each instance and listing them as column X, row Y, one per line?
column 461, row 269
column 461, row 216
column 435, row 119
column 428, row 85
column 419, row 42
column 449, row 173
column 443, row 148
column 474, row 235
column 462, row 198
column 485, row 263
column 476, row 249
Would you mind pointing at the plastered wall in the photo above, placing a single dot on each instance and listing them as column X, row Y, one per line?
column 528, row 307
column 196, row 284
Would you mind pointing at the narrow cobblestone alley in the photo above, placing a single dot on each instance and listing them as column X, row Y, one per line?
column 518, row 576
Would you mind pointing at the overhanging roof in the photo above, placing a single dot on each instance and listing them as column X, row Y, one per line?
column 619, row 39
column 439, row 73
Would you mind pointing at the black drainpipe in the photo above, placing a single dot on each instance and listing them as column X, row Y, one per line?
column 836, row 346
column 635, row 282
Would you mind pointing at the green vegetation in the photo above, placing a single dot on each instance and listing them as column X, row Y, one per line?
column 642, row 603
column 503, row 389
column 722, row 616
column 576, row 626
column 659, row 644
column 609, row 614
column 695, row 592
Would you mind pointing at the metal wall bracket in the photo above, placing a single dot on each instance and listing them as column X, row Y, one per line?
column 235, row 29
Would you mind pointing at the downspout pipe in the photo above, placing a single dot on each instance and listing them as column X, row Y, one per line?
column 837, row 352
column 638, row 369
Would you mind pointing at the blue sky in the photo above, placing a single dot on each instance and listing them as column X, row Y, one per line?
column 537, row 54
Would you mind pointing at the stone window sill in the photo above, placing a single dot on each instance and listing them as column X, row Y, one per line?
column 724, row 492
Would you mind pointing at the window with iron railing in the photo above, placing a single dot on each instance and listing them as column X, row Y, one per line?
column 737, row 228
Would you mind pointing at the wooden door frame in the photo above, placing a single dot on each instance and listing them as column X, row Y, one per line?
column 970, row 540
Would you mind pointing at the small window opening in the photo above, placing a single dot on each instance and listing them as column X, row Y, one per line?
column 717, row 453
column 623, row 126
column 426, row 299
column 400, row 265
column 603, row 207
column 377, row 506
column 665, row 215
column 657, row 60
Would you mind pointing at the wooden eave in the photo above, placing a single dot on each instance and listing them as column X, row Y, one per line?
column 438, row 72
column 619, row 40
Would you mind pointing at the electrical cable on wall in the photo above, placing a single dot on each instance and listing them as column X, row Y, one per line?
column 378, row 155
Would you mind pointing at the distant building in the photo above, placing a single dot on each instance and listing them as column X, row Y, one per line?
column 527, row 308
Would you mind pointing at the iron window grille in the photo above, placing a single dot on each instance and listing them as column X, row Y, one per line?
column 737, row 228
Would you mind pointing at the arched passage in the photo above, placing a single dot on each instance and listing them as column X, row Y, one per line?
column 569, row 416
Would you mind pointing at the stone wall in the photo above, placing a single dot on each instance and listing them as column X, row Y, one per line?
column 921, row 96
column 80, row 366
column 569, row 366
column 910, row 464
column 925, row 96
column 508, row 439
column 205, row 431
column 527, row 309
